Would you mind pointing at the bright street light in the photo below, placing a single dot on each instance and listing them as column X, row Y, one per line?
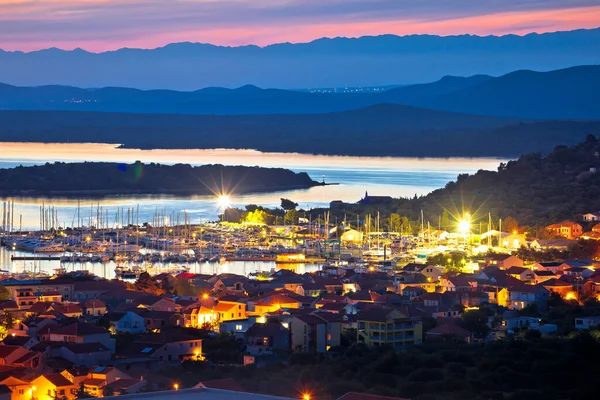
column 464, row 226
column 223, row 201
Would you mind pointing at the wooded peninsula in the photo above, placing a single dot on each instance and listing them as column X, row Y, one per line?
column 99, row 179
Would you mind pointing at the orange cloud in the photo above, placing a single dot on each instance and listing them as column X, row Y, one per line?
column 520, row 22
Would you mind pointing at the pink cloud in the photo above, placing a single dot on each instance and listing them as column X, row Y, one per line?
column 296, row 30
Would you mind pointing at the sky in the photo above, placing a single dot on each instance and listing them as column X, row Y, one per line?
column 101, row 25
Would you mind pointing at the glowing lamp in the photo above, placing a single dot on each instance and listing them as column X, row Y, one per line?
column 464, row 226
column 223, row 201
column 176, row 386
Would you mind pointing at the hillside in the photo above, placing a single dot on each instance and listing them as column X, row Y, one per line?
column 535, row 189
column 382, row 130
column 337, row 62
column 570, row 93
column 76, row 179
column 385, row 130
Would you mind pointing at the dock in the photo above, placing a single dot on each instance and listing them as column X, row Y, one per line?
column 35, row 258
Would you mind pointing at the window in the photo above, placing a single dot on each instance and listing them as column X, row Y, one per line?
column 61, row 392
column 238, row 327
column 232, row 314
column 21, row 391
column 239, row 307
column 239, row 314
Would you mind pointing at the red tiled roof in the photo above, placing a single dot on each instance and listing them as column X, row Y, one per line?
column 80, row 348
column 80, row 329
column 5, row 351
column 58, row 380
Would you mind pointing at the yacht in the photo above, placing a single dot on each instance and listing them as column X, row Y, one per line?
column 39, row 246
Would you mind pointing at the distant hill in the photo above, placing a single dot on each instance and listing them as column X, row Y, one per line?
column 338, row 62
column 536, row 189
column 75, row 179
column 570, row 93
column 385, row 130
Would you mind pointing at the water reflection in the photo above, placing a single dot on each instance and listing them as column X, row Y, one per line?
column 397, row 177
column 108, row 270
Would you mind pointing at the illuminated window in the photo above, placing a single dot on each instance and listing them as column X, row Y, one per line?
column 238, row 327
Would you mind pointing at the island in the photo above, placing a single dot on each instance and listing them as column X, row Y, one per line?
column 101, row 179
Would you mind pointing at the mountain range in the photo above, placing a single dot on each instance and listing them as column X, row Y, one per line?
column 337, row 62
column 571, row 93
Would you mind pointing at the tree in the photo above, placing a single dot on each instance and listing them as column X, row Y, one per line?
column 4, row 293
column 146, row 283
column 291, row 216
column 288, row 205
column 257, row 216
column 395, row 222
column 511, row 224
column 445, row 220
column 475, row 321
column 81, row 393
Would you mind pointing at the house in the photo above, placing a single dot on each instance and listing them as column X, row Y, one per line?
column 590, row 217
column 542, row 276
column 125, row 386
column 94, row 307
column 515, row 322
column 125, row 322
column 267, row 337
column 351, row 236
column 456, row 283
column 86, row 354
column 413, row 291
column 50, row 386
column 237, row 327
column 167, row 347
column 447, row 328
column 316, row 332
column 9, row 354
column 587, row 322
column 275, row 301
column 432, row 273
column 566, row 229
column 556, row 267
column 389, row 327
column 50, row 296
column 80, row 333
column 519, row 296
column 71, row 310
column 156, row 320
column 99, row 377
column 557, row 286
column 548, row 244
column 230, row 310
column 503, row 261
column 521, row 273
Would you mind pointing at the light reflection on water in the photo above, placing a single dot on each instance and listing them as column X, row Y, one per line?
column 397, row 177
column 108, row 270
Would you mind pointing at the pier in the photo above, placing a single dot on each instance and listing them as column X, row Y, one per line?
column 35, row 258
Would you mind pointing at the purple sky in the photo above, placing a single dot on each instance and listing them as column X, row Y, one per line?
column 99, row 25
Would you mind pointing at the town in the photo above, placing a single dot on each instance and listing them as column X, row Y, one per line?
column 75, row 335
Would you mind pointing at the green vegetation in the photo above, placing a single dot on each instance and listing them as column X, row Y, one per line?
column 525, row 368
column 528, row 194
column 138, row 178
